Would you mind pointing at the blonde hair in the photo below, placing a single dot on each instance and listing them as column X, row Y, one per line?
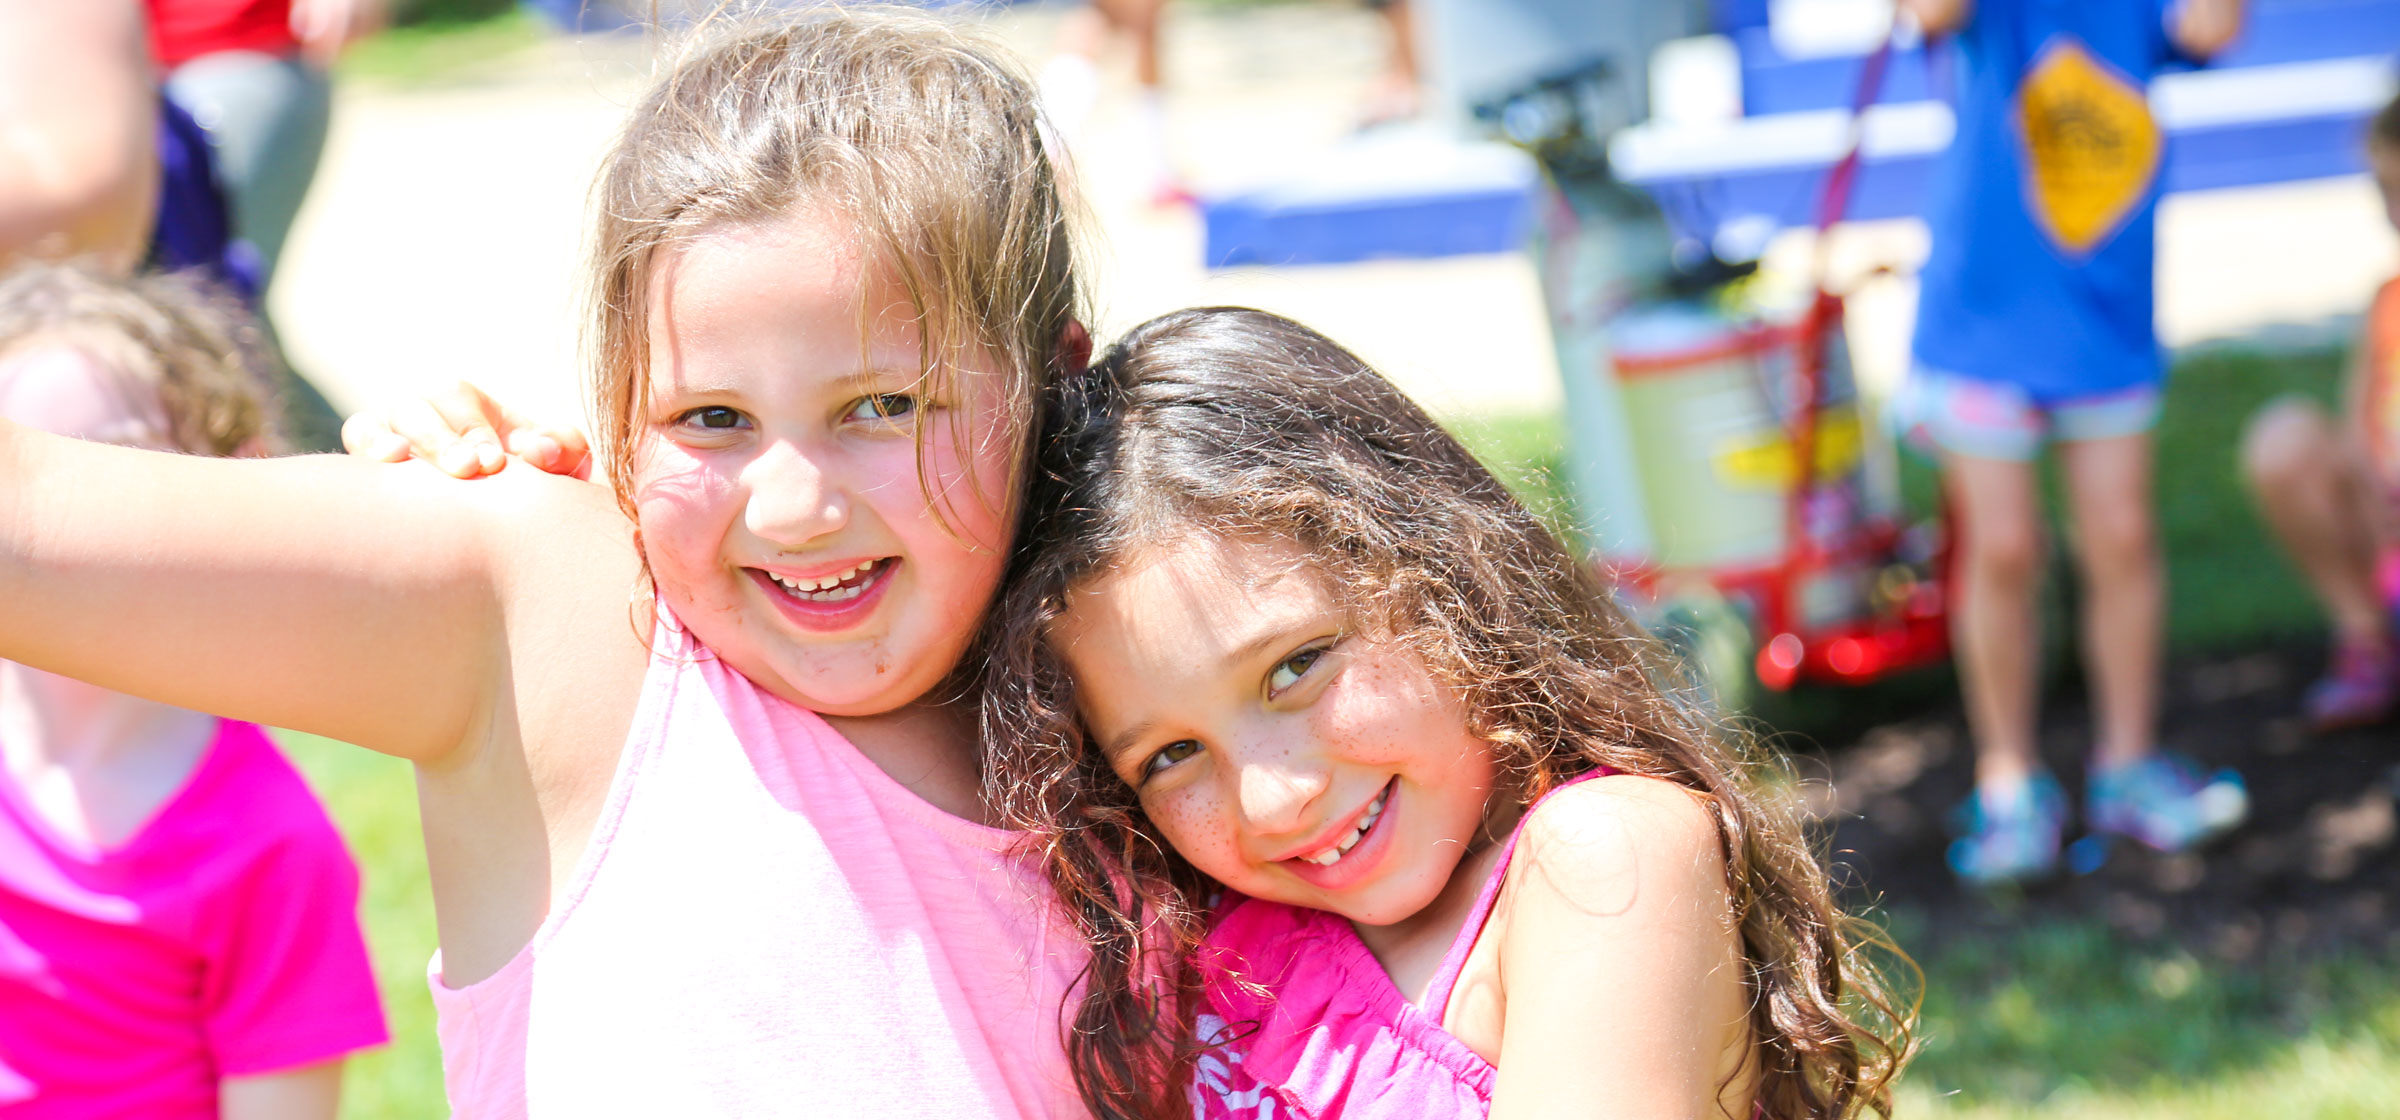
column 177, row 335
column 917, row 132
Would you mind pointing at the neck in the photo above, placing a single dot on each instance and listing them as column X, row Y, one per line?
column 1411, row 949
column 48, row 721
column 930, row 749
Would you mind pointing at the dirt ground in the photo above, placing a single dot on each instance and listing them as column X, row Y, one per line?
column 2313, row 869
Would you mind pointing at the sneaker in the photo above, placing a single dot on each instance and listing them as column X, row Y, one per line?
column 2361, row 687
column 2163, row 802
column 2011, row 836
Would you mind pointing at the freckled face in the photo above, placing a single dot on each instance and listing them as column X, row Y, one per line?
column 1285, row 757
column 783, row 506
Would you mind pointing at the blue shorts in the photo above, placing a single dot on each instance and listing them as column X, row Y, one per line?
column 1996, row 420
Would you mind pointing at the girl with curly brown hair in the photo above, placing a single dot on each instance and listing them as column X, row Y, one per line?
column 1368, row 800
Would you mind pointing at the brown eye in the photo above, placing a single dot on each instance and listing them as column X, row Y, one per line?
column 712, row 418
column 885, row 406
column 1289, row 671
column 1169, row 755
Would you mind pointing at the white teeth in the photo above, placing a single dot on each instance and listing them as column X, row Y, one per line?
column 1332, row 855
column 827, row 589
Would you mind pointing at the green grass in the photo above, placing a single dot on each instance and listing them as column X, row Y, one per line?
column 441, row 41
column 2058, row 1020
column 373, row 799
column 2068, row 1020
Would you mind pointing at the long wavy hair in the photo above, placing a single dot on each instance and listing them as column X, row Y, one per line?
column 1238, row 423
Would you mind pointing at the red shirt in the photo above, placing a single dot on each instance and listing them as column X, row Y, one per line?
column 220, row 940
column 182, row 30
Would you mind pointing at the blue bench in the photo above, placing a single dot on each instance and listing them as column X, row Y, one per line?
column 2288, row 102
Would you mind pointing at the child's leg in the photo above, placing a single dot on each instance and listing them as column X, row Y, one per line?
column 2134, row 790
column 1998, row 571
column 2124, row 580
column 2315, row 494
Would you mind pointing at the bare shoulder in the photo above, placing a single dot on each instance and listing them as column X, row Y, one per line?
column 547, row 535
column 1603, row 843
column 566, row 552
column 568, row 572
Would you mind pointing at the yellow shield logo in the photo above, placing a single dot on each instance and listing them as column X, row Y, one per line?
column 2093, row 148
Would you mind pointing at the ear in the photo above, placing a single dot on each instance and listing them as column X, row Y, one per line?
column 1074, row 347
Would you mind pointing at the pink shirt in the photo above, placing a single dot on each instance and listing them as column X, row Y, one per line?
column 765, row 924
column 1323, row 1032
column 222, row 939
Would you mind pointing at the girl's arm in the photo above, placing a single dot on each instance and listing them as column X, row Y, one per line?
column 308, row 1093
column 1621, row 972
column 367, row 603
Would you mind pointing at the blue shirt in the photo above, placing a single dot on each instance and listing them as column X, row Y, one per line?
column 2041, row 273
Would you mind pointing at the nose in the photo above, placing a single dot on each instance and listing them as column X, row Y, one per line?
column 1277, row 790
column 793, row 498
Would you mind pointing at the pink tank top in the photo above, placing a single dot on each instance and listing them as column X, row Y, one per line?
column 765, row 924
column 1319, row 1028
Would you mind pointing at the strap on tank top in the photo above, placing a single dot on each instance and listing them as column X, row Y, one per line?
column 1445, row 978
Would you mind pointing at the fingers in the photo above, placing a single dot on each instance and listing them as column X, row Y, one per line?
column 458, row 429
column 465, row 433
column 556, row 450
column 369, row 436
column 452, row 429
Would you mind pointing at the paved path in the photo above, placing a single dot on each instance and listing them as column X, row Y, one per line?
column 442, row 240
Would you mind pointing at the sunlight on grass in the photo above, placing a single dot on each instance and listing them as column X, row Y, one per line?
column 432, row 52
column 2067, row 1019
column 374, row 800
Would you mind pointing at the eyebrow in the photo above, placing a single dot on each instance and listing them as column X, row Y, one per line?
column 1123, row 741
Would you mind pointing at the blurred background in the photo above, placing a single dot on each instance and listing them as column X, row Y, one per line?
column 1326, row 159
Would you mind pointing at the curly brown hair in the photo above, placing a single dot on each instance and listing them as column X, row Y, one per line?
column 178, row 335
column 1235, row 422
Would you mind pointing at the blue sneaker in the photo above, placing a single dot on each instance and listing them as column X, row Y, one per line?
column 2165, row 803
column 2009, row 836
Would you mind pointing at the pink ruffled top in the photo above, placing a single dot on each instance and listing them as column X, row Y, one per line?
column 1313, row 1028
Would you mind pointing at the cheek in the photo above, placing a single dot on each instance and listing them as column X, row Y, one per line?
column 1387, row 713
column 967, row 473
column 683, row 507
column 1195, row 824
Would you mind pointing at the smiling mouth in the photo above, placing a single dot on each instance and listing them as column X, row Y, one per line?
column 838, row 587
column 1332, row 854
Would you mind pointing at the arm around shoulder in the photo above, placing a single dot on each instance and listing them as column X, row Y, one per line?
column 1621, row 969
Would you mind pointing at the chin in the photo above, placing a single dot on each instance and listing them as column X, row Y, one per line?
column 1390, row 905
